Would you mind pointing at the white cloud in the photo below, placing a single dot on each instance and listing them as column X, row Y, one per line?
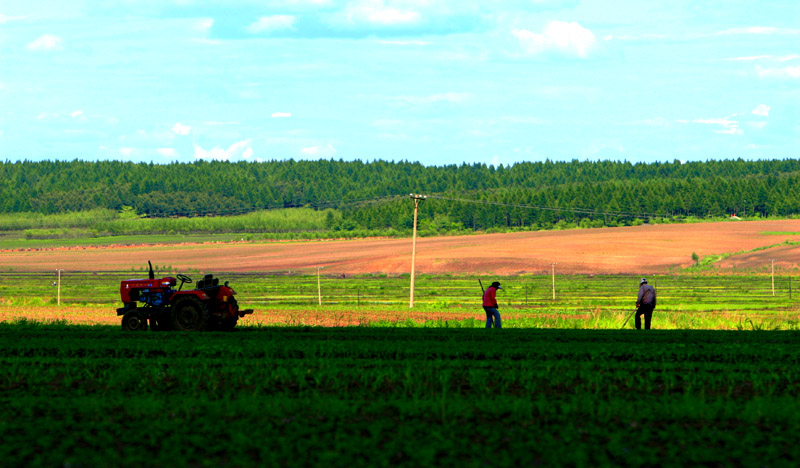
column 602, row 148
column 522, row 120
column 268, row 24
column 76, row 114
column 748, row 58
column 761, row 110
column 46, row 42
column 729, row 127
column 386, row 122
column 753, row 30
column 215, row 122
column 776, row 58
column 167, row 152
column 376, row 12
column 299, row 3
column 248, row 153
column 785, row 72
column 181, row 129
column 240, row 148
column 319, row 151
column 628, row 37
column 6, row 19
column 278, row 115
column 126, row 151
column 204, row 24
column 559, row 36
column 654, row 122
column 763, row 30
column 404, row 43
column 434, row 98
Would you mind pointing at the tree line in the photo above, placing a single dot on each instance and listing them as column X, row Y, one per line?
column 374, row 195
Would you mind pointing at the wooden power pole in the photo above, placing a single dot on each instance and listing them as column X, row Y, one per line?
column 417, row 198
column 319, row 288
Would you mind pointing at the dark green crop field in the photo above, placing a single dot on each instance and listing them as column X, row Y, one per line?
column 362, row 396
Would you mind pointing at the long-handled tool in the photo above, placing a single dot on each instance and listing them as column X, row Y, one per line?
column 479, row 282
column 626, row 320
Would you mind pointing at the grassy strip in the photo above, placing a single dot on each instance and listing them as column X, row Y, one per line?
column 597, row 302
column 94, row 396
column 11, row 243
column 708, row 262
column 95, row 227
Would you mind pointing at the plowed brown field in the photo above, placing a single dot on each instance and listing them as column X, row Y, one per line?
column 644, row 249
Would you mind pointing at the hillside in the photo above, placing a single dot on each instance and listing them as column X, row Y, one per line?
column 373, row 195
column 637, row 250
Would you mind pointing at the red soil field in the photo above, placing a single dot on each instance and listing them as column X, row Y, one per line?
column 646, row 249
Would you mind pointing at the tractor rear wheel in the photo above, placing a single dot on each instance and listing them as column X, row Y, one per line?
column 189, row 314
column 134, row 321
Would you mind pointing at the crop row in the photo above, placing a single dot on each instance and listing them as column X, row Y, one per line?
column 379, row 397
column 437, row 317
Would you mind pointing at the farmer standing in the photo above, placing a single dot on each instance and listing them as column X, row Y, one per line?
column 490, row 305
column 645, row 303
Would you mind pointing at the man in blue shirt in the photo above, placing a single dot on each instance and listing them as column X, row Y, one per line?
column 645, row 304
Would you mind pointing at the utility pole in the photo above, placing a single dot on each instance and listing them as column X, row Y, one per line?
column 554, row 280
column 772, row 260
column 417, row 198
column 319, row 288
column 58, row 271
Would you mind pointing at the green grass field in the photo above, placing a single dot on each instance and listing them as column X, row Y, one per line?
column 714, row 384
column 684, row 301
column 361, row 396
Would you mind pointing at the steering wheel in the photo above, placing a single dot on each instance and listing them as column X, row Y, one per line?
column 184, row 279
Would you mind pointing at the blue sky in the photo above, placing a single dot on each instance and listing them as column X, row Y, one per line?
column 440, row 82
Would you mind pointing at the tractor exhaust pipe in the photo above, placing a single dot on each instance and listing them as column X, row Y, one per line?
column 152, row 275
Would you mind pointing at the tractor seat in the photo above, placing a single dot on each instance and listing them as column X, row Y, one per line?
column 208, row 281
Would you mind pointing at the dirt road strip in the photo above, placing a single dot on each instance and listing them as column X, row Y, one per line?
column 646, row 249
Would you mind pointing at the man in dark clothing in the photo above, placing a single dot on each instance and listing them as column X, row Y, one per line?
column 645, row 303
column 490, row 305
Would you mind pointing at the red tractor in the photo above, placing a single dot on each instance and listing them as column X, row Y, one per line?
column 208, row 306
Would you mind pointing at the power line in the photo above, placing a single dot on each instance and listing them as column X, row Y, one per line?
column 322, row 204
column 624, row 214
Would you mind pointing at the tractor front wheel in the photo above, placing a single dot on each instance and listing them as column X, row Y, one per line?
column 228, row 324
column 189, row 314
column 134, row 321
column 225, row 324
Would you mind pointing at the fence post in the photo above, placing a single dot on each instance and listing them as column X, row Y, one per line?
column 59, row 286
column 358, row 296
